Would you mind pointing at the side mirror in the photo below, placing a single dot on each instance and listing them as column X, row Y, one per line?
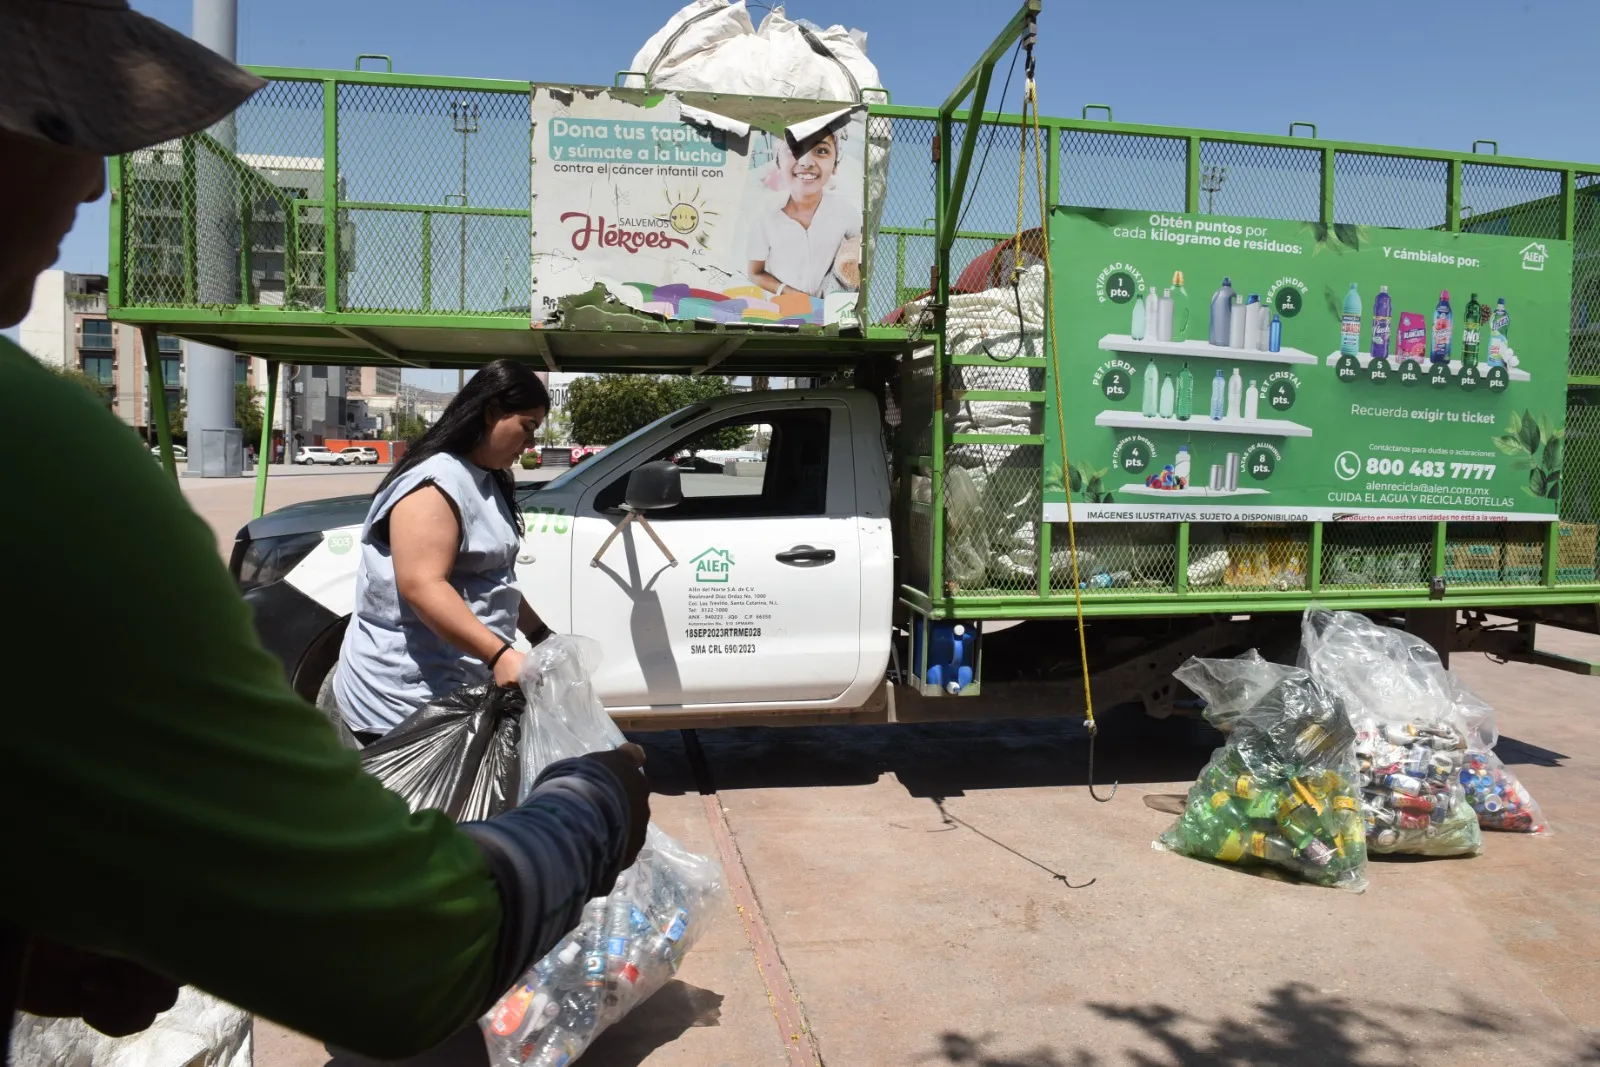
column 653, row 487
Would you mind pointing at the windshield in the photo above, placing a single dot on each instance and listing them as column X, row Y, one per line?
column 673, row 419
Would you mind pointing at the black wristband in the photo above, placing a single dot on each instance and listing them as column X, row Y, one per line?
column 504, row 646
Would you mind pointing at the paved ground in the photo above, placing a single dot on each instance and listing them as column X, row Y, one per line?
column 952, row 895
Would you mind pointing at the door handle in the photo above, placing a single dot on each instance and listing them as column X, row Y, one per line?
column 800, row 555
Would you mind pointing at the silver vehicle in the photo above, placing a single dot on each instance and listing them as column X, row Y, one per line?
column 360, row 454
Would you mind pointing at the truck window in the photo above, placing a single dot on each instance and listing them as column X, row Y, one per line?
column 718, row 482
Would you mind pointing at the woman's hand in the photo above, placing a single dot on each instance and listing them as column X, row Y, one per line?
column 507, row 667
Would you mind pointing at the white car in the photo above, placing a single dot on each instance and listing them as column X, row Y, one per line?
column 178, row 452
column 321, row 454
column 360, row 454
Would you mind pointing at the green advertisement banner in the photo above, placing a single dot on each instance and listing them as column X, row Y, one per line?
column 1234, row 369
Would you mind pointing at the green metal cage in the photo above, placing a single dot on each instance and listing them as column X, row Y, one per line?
column 359, row 217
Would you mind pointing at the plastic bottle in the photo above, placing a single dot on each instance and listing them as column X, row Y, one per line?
column 1499, row 327
column 1263, row 338
column 1222, row 314
column 1471, row 331
column 1235, row 395
column 594, row 942
column 1252, row 398
column 1184, row 405
column 1151, row 392
column 1275, row 335
column 1382, row 317
column 1236, row 322
column 1169, row 396
column 1439, row 348
column 1350, row 323
column 1252, row 321
column 1164, row 329
column 1140, row 317
column 1181, row 467
column 1179, row 329
column 1219, row 396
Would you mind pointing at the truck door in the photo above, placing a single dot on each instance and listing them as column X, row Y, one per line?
column 765, row 602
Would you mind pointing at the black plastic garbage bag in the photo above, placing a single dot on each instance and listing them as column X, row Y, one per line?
column 458, row 753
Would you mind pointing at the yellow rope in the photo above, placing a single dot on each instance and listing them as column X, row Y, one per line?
column 1030, row 106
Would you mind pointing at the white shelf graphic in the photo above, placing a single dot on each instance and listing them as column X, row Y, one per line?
column 1132, row 420
column 1121, row 342
column 1192, row 493
column 1513, row 373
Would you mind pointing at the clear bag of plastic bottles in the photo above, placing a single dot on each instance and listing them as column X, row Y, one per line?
column 1412, row 735
column 628, row 944
column 1282, row 792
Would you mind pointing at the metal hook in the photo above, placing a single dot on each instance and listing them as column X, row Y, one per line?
column 1093, row 730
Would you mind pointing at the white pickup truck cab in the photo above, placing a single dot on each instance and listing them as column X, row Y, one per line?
column 778, row 596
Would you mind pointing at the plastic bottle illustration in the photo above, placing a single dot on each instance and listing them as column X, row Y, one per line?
column 1499, row 327
column 1164, row 329
column 1236, row 321
column 1222, row 314
column 1184, row 404
column 1439, row 346
column 1219, row 396
column 1252, row 399
column 1263, row 338
column 1180, row 309
column 1382, row 316
column 1275, row 335
column 1472, row 331
column 1235, row 395
column 1350, row 323
column 1181, row 467
column 1169, row 396
column 1140, row 317
column 1151, row 392
column 1252, row 321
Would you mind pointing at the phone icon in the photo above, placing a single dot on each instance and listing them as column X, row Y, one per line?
column 1347, row 465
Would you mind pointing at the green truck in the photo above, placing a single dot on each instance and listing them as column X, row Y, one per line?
column 1075, row 454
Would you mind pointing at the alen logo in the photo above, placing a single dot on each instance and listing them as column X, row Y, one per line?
column 1533, row 256
column 713, row 565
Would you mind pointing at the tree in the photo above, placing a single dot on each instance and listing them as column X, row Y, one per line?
column 556, row 428
column 178, row 416
column 605, row 409
column 408, row 426
column 247, row 412
column 76, row 376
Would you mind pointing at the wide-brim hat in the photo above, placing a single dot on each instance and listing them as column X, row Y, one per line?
column 95, row 76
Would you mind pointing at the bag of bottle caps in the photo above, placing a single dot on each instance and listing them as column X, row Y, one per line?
column 1500, row 800
column 1282, row 792
column 1412, row 737
column 628, row 944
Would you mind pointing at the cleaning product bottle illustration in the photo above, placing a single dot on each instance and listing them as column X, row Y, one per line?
column 1150, row 394
column 1184, row 404
column 1275, row 335
column 1222, row 314
column 1236, row 321
column 1263, row 338
column 1180, row 308
column 1439, row 347
column 1350, row 323
column 1169, row 396
column 1181, row 467
column 1219, row 396
column 1140, row 316
column 1382, row 315
column 1253, row 308
column 1472, row 331
column 1252, row 399
column 1164, row 330
column 1235, row 395
column 1499, row 327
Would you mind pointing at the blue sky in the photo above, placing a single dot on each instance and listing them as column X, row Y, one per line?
column 1428, row 73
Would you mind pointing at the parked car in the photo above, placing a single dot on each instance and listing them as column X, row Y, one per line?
column 360, row 454
column 320, row 454
column 178, row 452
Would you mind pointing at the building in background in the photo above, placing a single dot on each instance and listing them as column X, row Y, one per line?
column 67, row 327
column 374, row 399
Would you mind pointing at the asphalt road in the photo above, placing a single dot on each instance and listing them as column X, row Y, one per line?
column 951, row 894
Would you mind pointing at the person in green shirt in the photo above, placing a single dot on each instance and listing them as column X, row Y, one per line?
column 173, row 812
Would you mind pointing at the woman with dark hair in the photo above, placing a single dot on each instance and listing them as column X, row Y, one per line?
column 437, row 606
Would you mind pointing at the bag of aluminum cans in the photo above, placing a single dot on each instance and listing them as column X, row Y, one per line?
column 1282, row 792
column 1501, row 801
column 629, row 943
column 1412, row 737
